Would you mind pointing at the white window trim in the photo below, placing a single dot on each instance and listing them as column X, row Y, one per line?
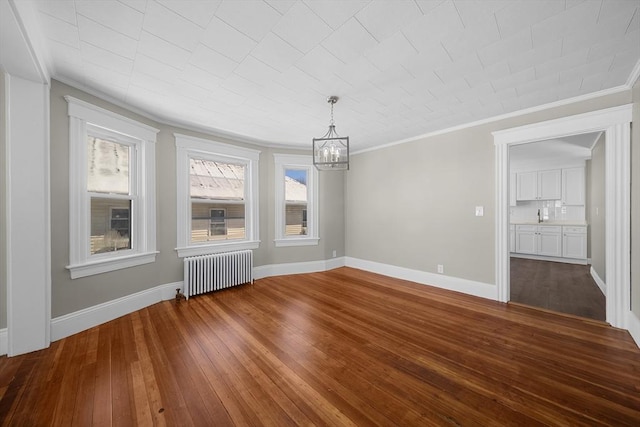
column 81, row 116
column 291, row 161
column 188, row 147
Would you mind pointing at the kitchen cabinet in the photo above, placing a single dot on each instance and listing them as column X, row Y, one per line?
column 543, row 240
column 550, row 240
column 574, row 242
column 527, row 239
column 512, row 238
column 539, row 185
column 573, row 187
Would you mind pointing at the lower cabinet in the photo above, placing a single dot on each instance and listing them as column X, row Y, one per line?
column 550, row 241
column 539, row 240
column 574, row 242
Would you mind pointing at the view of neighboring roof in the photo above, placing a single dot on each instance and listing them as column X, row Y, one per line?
column 294, row 191
column 108, row 167
column 216, row 180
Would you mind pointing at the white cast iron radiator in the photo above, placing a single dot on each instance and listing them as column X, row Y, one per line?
column 208, row 273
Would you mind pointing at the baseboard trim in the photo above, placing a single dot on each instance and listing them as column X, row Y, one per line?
column 599, row 281
column 72, row 323
column 297, row 268
column 470, row 287
column 81, row 320
column 550, row 258
column 633, row 326
column 4, row 343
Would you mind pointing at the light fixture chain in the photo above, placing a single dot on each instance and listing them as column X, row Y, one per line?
column 332, row 122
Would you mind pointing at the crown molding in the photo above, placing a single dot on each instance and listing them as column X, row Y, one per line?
column 518, row 113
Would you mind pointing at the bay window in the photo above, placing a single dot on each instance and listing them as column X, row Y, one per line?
column 296, row 196
column 112, row 190
column 217, row 196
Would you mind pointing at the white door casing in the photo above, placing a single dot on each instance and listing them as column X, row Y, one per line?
column 615, row 122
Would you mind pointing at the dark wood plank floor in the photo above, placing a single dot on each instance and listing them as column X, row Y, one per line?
column 565, row 288
column 343, row 347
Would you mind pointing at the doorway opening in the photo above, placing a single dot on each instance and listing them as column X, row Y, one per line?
column 556, row 224
column 615, row 124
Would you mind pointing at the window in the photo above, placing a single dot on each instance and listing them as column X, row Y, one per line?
column 112, row 191
column 217, row 196
column 296, row 201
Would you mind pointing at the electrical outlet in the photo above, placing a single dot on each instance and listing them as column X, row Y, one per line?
column 479, row 210
column 440, row 268
column 334, row 254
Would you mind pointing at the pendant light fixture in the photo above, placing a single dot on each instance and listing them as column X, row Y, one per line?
column 331, row 152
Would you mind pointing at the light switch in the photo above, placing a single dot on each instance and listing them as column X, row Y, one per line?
column 479, row 210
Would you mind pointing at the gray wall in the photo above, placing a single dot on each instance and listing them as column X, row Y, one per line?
column 412, row 205
column 3, row 210
column 635, row 202
column 596, row 197
column 72, row 295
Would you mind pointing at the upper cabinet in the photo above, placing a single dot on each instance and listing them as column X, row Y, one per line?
column 539, row 185
column 573, row 187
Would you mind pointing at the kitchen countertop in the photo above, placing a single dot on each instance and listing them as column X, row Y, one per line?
column 562, row 222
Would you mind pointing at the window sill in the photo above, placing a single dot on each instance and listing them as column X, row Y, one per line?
column 206, row 249
column 110, row 264
column 297, row 241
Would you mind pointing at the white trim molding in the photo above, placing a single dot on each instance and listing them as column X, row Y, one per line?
column 615, row 122
column 633, row 326
column 81, row 320
column 596, row 278
column 470, row 287
column 3, row 341
column 297, row 268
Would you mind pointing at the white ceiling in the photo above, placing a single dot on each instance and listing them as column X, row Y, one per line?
column 566, row 149
column 402, row 68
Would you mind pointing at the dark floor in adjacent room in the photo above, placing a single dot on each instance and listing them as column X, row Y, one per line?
column 565, row 288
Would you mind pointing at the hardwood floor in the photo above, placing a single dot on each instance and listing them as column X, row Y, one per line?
column 343, row 347
column 565, row 288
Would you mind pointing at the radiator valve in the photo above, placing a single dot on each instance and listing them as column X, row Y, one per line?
column 179, row 295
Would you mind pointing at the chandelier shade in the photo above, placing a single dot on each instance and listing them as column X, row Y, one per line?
column 331, row 151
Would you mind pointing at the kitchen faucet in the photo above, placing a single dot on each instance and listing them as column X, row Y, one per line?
column 539, row 218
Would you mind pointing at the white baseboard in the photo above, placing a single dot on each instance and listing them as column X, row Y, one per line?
column 4, row 346
column 87, row 318
column 296, row 268
column 633, row 325
column 599, row 281
column 550, row 258
column 479, row 289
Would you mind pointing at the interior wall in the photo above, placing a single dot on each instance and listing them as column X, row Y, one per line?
column 3, row 206
column 69, row 295
column 412, row 205
column 596, row 195
column 635, row 202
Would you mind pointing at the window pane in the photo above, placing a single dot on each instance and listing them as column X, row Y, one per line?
column 217, row 221
column 296, row 219
column 216, row 180
column 295, row 194
column 295, row 187
column 108, row 166
column 110, row 225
